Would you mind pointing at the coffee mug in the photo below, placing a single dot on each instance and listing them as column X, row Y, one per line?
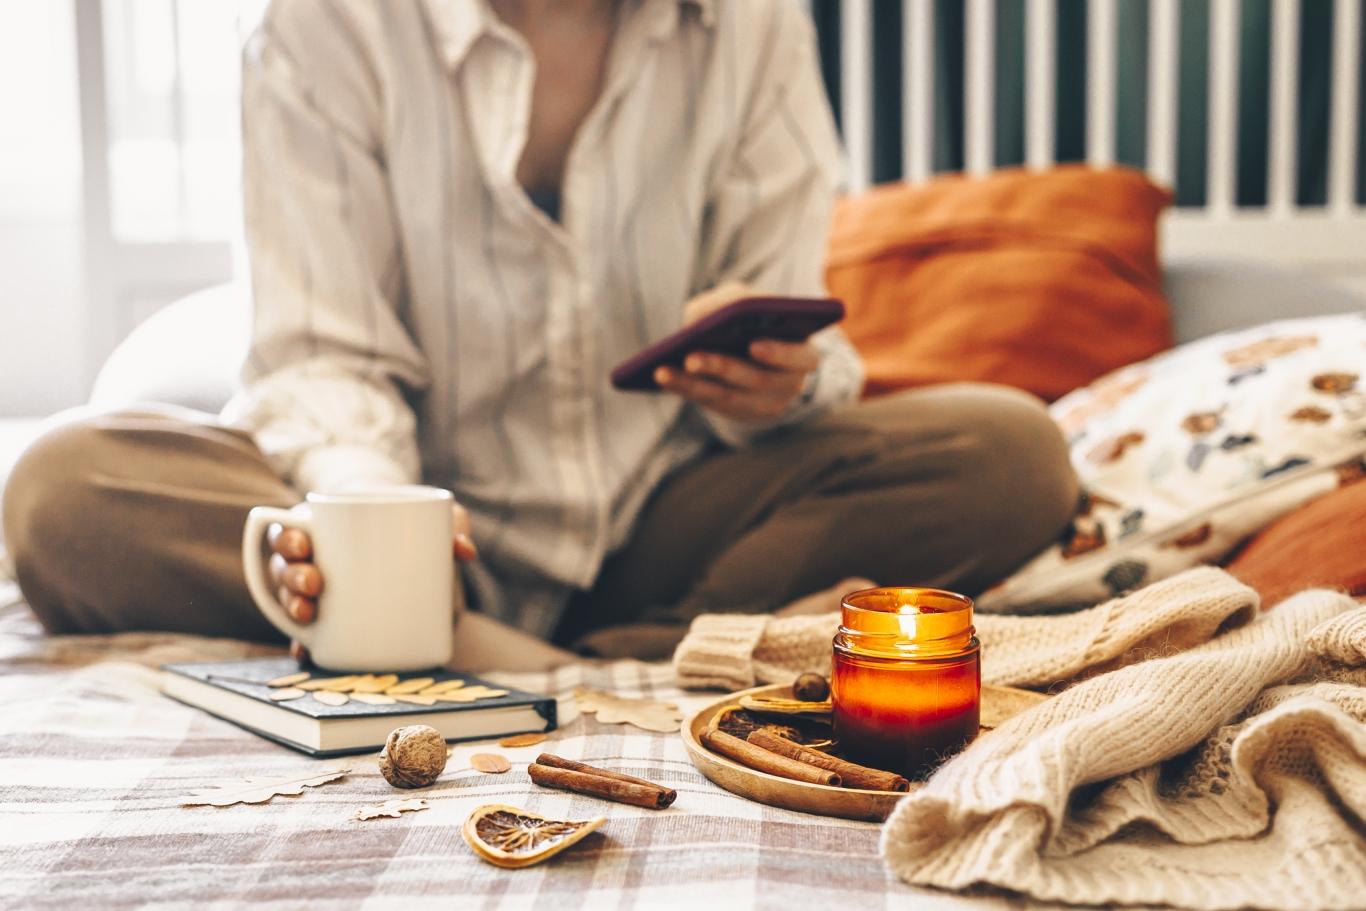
column 389, row 590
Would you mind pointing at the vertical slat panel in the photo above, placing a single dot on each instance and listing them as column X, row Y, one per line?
column 979, row 114
column 917, row 73
column 856, row 55
column 1223, row 106
column 1163, row 66
column 1101, row 51
column 1343, row 135
column 1285, row 65
column 1041, row 26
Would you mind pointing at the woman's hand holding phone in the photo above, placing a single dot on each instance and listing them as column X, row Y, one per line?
column 759, row 388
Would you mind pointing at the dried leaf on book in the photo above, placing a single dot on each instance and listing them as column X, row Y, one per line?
column 490, row 762
column 391, row 808
column 647, row 714
column 258, row 790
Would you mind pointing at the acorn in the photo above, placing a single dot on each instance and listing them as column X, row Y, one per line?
column 811, row 687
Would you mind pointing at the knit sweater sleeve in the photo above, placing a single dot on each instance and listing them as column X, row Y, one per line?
column 736, row 651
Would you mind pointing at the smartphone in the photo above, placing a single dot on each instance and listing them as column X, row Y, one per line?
column 729, row 330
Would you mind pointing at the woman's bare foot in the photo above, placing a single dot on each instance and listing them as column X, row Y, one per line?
column 826, row 601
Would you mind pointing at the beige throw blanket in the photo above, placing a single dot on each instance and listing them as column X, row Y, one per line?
column 1211, row 758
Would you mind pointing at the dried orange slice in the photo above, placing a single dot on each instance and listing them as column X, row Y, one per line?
column 508, row 837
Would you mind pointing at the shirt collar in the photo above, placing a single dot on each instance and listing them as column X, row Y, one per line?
column 458, row 23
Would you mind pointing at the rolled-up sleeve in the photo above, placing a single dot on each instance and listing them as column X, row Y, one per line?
column 331, row 365
column 769, row 216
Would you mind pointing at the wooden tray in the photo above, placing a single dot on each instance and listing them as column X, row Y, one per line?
column 998, row 704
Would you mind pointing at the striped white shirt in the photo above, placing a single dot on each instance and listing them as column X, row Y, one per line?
column 418, row 317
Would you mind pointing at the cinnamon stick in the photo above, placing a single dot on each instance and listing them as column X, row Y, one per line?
column 551, row 771
column 760, row 759
column 559, row 762
column 852, row 774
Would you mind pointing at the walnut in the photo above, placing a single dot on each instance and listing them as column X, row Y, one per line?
column 811, row 688
column 413, row 756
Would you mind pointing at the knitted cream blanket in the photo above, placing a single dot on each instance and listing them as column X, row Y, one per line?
column 1210, row 756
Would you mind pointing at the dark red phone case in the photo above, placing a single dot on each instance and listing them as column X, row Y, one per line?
column 729, row 330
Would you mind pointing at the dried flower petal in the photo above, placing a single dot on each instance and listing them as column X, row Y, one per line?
column 289, row 679
column 286, row 693
column 374, row 698
column 411, row 685
column 522, row 740
column 490, row 762
column 373, row 684
column 327, row 697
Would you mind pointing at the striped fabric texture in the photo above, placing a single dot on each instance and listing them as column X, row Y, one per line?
column 93, row 763
column 418, row 317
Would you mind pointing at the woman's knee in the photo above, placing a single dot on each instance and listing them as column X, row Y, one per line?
column 1002, row 452
column 47, row 510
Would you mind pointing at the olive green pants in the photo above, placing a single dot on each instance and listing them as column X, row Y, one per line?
column 133, row 520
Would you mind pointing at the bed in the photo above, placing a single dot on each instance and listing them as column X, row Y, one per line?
column 94, row 759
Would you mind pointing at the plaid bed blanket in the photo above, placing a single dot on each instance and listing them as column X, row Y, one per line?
column 93, row 762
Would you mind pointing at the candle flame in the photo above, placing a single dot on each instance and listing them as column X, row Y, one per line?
column 906, row 620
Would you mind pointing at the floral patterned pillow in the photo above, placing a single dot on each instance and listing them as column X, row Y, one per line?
column 1184, row 456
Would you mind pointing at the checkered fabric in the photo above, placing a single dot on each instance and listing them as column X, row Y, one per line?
column 93, row 762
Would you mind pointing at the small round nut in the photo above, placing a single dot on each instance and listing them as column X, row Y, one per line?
column 811, row 688
column 413, row 756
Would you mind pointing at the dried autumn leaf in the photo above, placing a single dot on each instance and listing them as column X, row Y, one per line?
column 289, row 679
column 374, row 684
column 327, row 697
column 411, row 685
column 373, row 698
column 391, row 808
column 509, row 837
column 286, row 693
column 258, row 790
column 647, row 714
column 522, row 740
column 490, row 762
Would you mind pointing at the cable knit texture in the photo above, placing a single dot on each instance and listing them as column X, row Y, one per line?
column 1202, row 755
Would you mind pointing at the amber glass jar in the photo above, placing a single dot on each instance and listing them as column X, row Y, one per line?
column 907, row 679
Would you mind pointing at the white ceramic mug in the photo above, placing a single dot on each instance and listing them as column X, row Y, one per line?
column 389, row 589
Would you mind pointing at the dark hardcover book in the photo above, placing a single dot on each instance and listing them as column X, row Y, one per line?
column 236, row 691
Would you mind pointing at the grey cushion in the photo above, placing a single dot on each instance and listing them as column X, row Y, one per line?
column 1211, row 295
column 188, row 353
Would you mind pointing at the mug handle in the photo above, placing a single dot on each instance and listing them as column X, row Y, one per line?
column 258, row 520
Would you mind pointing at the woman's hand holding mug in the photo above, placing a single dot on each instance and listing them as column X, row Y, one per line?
column 377, row 540
column 300, row 582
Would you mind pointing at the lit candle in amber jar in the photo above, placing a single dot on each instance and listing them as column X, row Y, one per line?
column 907, row 679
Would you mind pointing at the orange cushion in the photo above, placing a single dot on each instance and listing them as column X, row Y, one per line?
column 1321, row 544
column 1041, row 280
